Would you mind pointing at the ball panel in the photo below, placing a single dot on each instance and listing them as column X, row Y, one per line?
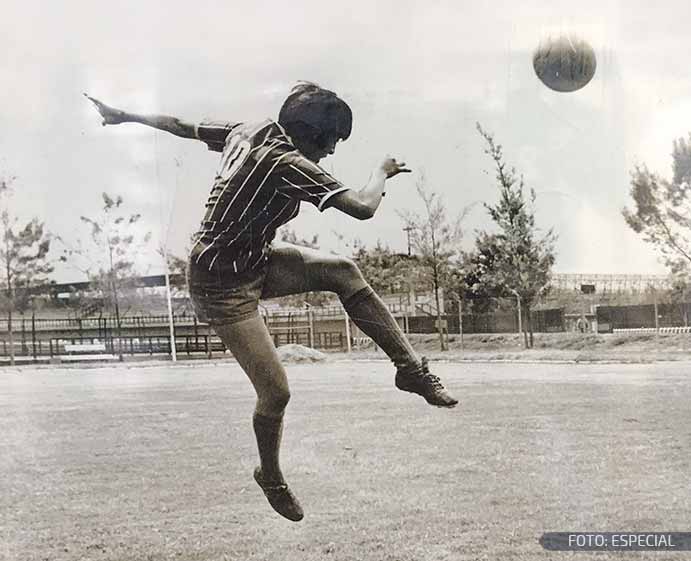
column 564, row 64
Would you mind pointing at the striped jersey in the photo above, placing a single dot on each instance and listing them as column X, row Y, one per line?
column 259, row 185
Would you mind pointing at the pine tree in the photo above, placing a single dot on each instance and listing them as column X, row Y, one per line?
column 522, row 258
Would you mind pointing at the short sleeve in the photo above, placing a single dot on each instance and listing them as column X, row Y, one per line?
column 214, row 133
column 304, row 180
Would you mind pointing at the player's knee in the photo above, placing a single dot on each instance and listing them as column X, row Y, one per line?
column 281, row 398
column 345, row 274
column 275, row 401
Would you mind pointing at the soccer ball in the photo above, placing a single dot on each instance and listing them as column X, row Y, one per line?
column 564, row 64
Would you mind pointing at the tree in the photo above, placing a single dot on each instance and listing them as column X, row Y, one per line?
column 109, row 260
column 24, row 257
column 661, row 211
column 471, row 279
column 385, row 270
column 679, row 291
column 521, row 258
column 436, row 240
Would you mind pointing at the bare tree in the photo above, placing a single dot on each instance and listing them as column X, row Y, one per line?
column 436, row 239
column 109, row 257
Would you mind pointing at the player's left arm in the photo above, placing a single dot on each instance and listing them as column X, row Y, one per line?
column 173, row 125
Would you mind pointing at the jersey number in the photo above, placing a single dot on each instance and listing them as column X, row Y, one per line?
column 234, row 156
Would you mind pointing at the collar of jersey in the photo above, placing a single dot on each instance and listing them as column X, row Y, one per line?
column 280, row 127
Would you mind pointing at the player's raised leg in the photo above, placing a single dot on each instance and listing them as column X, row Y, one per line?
column 294, row 269
column 249, row 342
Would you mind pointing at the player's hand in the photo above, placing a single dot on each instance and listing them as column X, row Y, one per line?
column 391, row 167
column 111, row 116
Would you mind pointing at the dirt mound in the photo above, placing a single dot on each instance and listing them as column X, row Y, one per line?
column 300, row 353
column 507, row 342
column 569, row 341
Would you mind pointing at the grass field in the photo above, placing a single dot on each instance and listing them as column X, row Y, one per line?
column 153, row 463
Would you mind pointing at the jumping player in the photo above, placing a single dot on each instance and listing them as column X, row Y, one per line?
column 267, row 169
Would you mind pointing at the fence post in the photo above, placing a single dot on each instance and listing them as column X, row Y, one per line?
column 347, row 326
column 460, row 320
column 310, row 320
column 25, row 351
column 33, row 335
column 289, row 332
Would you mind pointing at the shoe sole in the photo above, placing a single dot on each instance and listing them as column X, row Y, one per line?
column 295, row 518
column 440, row 405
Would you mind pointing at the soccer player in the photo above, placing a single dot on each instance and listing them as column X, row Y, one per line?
column 266, row 171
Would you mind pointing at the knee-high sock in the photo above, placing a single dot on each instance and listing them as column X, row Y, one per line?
column 268, row 431
column 371, row 315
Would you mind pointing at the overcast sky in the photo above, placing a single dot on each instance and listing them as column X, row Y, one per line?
column 418, row 76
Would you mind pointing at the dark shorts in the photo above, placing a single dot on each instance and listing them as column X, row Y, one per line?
column 226, row 298
column 222, row 298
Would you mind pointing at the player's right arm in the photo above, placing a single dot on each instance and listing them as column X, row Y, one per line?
column 173, row 125
column 363, row 204
column 304, row 180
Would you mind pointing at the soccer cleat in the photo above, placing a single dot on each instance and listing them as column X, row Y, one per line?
column 280, row 497
column 419, row 380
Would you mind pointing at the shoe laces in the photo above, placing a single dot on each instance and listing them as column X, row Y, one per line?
column 433, row 380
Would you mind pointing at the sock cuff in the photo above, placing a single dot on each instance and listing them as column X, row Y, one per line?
column 358, row 297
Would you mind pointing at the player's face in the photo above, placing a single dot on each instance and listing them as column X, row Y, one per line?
column 316, row 152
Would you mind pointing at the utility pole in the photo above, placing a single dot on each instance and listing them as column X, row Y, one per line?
column 407, row 230
column 657, row 315
column 171, row 318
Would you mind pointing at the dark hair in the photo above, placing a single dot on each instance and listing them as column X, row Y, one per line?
column 313, row 113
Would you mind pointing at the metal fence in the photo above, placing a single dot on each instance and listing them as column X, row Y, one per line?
column 40, row 338
column 322, row 328
column 652, row 316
